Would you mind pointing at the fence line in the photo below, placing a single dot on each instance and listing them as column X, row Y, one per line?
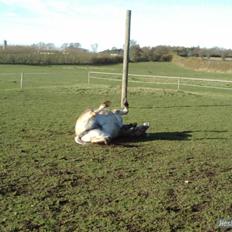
column 5, row 74
column 37, row 73
column 177, row 78
column 158, row 79
column 159, row 76
column 133, row 81
column 22, row 76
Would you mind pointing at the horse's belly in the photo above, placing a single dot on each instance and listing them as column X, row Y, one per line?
column 109, row 124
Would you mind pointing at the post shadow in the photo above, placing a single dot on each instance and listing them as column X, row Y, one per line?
column 177, row 135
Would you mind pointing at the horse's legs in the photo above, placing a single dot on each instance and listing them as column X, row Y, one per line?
column 133, row 130
column 102, row 107
column 96, row 136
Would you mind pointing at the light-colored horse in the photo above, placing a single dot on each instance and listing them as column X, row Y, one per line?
column 102, row 125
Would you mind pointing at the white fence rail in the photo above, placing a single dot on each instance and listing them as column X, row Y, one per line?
column 23, row 80
column 20, row 77
column 164, row 80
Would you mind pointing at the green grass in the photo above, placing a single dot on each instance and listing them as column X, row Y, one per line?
column 206, row 65
column 179, row 178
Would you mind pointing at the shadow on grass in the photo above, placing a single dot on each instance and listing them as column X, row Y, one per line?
column 170, row 136
column 166, row 136
column 178, row 135
column 212, row 135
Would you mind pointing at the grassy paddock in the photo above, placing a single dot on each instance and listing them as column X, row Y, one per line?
column 176, row 179
column 206, row 65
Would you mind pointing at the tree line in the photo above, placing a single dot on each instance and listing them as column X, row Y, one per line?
column 165, row 53
column 47, row 55
column 73, row 53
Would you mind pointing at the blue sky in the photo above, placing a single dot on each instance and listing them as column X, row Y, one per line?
column 154, row 22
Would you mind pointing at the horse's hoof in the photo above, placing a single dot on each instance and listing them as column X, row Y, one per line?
column 107, row 103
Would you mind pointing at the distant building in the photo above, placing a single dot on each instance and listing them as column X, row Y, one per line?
column 4, row 45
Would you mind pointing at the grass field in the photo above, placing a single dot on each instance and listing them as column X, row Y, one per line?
column 178, row 178
column 208, row 65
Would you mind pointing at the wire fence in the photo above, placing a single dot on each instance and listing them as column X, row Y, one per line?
column 26, row 80
column 173, row 82
column 22, row 80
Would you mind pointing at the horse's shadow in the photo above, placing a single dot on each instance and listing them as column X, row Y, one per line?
column 168, row 136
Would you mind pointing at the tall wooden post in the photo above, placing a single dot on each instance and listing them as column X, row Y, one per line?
column 126, row 58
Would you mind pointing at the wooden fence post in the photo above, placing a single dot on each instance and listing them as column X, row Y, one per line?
column 21, row 81
column 126, row 58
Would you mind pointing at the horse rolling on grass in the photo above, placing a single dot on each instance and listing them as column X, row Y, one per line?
column 102, row 125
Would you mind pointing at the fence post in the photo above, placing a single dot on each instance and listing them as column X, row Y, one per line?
column 21, row 80
column 178, row 84
column 88, row 78
column 126, row 58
